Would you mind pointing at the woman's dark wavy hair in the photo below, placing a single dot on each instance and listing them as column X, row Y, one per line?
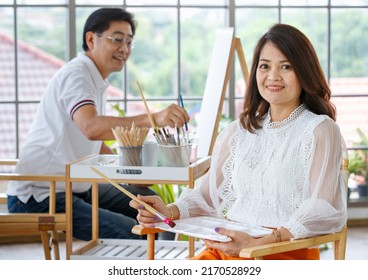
column 99, row 21
column 299, row 51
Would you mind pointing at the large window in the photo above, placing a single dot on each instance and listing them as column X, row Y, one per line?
column 174, row 44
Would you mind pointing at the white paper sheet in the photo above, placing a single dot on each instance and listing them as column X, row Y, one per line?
column 204, row 227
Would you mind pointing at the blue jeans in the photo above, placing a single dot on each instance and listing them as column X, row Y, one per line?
column 116, row 217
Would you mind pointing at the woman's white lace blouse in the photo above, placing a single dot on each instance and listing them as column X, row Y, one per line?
column 285, row 174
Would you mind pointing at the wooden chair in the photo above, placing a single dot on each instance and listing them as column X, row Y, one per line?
column 34, row 223
column 338, row 239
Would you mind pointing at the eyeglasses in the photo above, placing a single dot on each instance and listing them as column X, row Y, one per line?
column 119, row 42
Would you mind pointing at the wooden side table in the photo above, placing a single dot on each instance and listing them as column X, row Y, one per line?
column 80, row 171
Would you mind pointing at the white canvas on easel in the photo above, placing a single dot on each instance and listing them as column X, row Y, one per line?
column 216, row 84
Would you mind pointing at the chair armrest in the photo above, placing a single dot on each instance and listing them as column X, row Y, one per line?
column 139, row 230
column 8, row 161
column 286, row 246
column 31, row 177
column 201, row 166
column 52, row 179
column 205, row 160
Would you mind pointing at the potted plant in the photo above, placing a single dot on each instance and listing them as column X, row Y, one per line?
column 358, row 165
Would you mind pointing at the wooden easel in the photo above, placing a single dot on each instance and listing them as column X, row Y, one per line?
column 216, row 85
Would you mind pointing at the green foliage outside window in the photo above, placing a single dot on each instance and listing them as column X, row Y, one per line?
column 358, row 159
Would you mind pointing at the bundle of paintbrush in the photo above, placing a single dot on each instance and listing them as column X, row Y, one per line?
column 175, row 155
column 130, row 144
column 176, row 152
column 164, row 137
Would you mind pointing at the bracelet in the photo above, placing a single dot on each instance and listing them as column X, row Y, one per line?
column 277, row 234
column 172, row 213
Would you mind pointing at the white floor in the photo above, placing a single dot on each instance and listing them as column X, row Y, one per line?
column 357, row 248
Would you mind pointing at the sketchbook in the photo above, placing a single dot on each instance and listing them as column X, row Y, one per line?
column 204, row 227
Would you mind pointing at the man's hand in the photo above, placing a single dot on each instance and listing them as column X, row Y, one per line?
column 172, row 116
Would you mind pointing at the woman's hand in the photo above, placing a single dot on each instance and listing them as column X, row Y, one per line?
column 239, row 240
column 146, row 218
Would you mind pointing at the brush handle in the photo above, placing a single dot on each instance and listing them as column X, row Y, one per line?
column 153, row 124
column 182, row 105
column 148, row 207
